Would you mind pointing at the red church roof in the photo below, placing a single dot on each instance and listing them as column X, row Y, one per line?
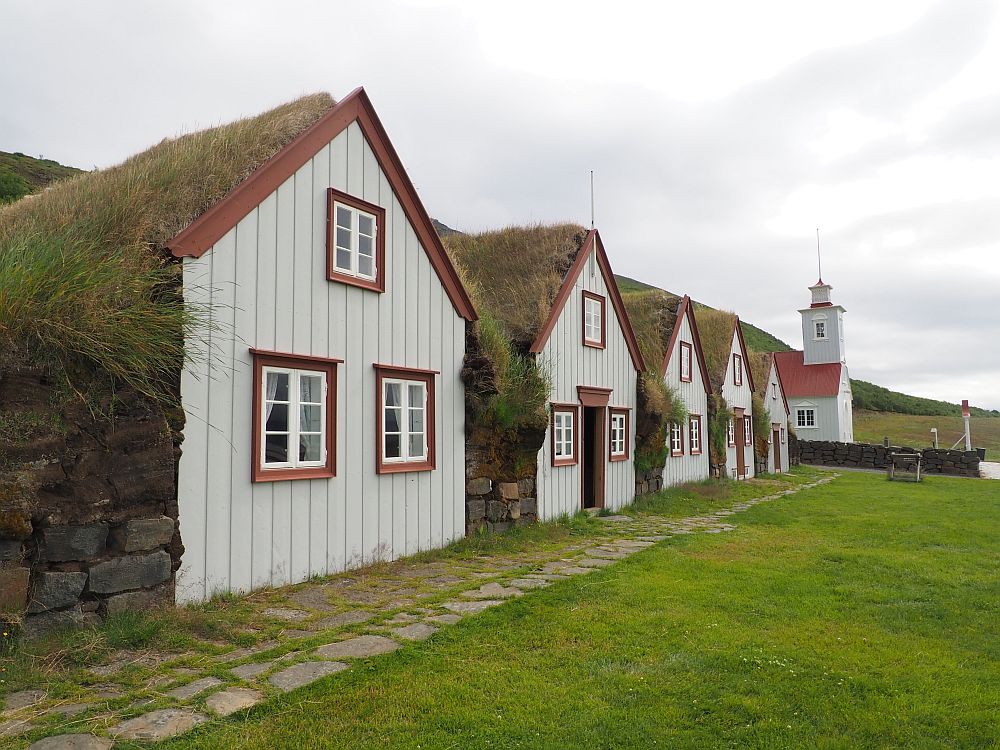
column 800, row 380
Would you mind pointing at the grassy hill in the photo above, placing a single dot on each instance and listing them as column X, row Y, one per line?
column 914, row 430
column 21, row 174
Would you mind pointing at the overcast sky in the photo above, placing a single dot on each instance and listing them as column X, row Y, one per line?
column 721, row 136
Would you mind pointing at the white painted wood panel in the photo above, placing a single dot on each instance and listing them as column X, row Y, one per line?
column 266, row 283
column 687, row 468
column 570, row 364
column 775, row 405
column 738, row 397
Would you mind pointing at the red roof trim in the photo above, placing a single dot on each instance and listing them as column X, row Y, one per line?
column 747, row 370
column 686, row 309
column 592, row 240
column 196, row 239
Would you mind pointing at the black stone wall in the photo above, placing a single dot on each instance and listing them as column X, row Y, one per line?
column 866, row 456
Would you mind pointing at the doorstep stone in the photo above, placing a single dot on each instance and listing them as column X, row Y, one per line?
column 72, row 742
column 231, row 700
column 418, row 631
column 158, row 725
column 471, row 607
column 358, row 648
column 184, row 692
column 298, row 675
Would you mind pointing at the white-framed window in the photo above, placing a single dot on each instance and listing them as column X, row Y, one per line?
column 774, row 390
column 819, row 327
column 685, row 362
column 593, row 319
column 737, row 369
column 805, row 417
column 731, row 432
column 619, row 434
column 694, row 433
column 404, row 420
column 770, row 437
column 355, row 236
column 747, row 431
column 293, row 414
column 563, row 435
column 782, row 435
column 676, row 439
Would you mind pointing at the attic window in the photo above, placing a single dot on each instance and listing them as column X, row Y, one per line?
column 594, row 326
column 685, row 362
column 355, row 243
column 737, row 369
column 774, row 390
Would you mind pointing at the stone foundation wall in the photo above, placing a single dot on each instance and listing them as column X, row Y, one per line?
column 648, row 481
column 88, row 503
column 865, row 456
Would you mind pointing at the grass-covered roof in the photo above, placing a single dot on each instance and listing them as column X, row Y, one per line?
column 760, row 368
column 715, row 329
column 82, row 272
column 514, row 274
column 653, row 313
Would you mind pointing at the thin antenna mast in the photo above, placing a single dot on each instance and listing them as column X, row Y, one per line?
column 591, row 198
column 819, row 259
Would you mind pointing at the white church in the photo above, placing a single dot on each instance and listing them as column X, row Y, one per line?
column 817, row 384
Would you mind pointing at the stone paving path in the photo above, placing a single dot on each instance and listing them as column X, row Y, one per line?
column 331, row 624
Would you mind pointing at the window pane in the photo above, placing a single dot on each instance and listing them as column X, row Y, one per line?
column 311, row 389
column 277, row 386
column 416, row 446
column 417, row 395
column 392, row 419
column 343, row 238
column 275, row 449
column 365, row 266
column 310, row 418
column 366, row 225
column 344, row 259
column 364, row 245
column 416, row 420
column 277, row 418
column 392, row 446
column 392, row 394
column 343, row 217
column 309, row 448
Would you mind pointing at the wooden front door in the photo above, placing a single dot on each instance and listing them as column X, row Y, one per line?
column 741, row 452
column 776, row 449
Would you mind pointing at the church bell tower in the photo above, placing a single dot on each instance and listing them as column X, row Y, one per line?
column 822, row 328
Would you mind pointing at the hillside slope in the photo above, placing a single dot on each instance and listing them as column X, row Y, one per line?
column 21, row 174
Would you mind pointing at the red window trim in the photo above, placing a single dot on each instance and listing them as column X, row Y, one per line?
column 557, row 407
column 263, row 358
column 685, row 348
column 427, row 377
column 701, row 435
column 737, row 369
column 604, row 320
column 332, row 274
column 670, row 438
column 612, row 410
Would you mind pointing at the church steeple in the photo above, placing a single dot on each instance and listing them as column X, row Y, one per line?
column 822, row 328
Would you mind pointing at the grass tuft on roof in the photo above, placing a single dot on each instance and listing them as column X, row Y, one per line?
column 715, row 328
column 653, row 314
column 84, row 279
column 515, row 273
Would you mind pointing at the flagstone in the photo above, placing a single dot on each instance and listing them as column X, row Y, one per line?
column 253, row 670
column 184, row 692
column 594, row 562
column 70, row 709
column 418, row 631
column 471, row 607
column 530, row 583
column 72, row 742
column 14, row 727
column 446, row 619
column 23, row 699
column 360, row 647
column 231, row 700
column 492, row 591
column 285, row 613
column 350, row 617
column 307, row 672
column 158, row 725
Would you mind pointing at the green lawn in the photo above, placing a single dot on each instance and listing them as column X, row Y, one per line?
column 859, row 614
column 915, row 430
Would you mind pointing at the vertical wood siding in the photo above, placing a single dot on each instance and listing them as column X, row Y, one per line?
column 828, row 411
column 738, row 397
column 776, row 409
column 570, row 364
column 687, row 468
column 265, row 282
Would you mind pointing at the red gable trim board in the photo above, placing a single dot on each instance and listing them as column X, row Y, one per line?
column 800, row 380
column 746, row 360
column 196, row 239
column 686, row 309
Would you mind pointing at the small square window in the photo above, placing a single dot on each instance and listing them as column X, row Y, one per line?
column 406, row 436
column 355, row 241
column 593, row 320
column 805, row 418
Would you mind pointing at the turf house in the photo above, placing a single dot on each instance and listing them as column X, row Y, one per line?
column 732, row 380
column 551, row 377
column 770, row 415
column 238, row 355
column 668, row 334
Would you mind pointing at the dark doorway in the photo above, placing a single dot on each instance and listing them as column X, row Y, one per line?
column 593, row 457
column 741, row 453
column 776, row 444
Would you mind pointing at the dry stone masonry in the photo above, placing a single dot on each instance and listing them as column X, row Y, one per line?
column 865, row 456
